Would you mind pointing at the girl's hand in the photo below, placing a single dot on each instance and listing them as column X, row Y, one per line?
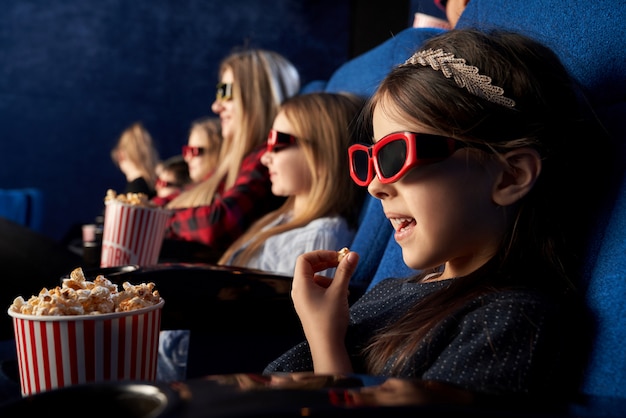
column 130, row 169
column 322, row 305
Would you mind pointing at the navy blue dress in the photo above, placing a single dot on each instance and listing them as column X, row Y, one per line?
column 507, row 341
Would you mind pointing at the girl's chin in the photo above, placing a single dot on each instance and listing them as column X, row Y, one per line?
column 404, row 235
column 409, row 254
column 227, row 133
column 279, row 192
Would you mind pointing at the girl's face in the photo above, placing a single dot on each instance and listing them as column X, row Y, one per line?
column 226, row 107
column 166, row 185
column 199, row 165
column 288, row 168
column 442, row 213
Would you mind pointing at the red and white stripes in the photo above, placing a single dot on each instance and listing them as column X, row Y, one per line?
column 132, row 234
column 54, row 352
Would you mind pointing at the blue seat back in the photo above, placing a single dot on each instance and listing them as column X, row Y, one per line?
column 23, row 206
column 370, row 241
column 590, row 39
column 392, row 264
column 361, row 75
column 587, row 35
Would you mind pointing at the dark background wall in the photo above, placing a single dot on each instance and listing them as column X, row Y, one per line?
column 75, row 73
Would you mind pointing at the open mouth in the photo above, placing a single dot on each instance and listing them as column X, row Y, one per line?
column 402, row 224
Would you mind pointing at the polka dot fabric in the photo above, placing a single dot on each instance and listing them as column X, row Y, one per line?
column 499, row 342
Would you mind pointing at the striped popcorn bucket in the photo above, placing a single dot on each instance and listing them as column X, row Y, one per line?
column 132, row 234
column 59, row 351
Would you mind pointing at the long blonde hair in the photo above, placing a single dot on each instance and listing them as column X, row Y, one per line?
column 138, row 146
column 323, row 126
column 262, row 80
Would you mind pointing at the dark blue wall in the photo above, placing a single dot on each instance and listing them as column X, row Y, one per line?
column 75, row 73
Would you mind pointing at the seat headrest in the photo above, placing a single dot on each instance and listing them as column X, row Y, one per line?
column 588, row 36
column 361, row 75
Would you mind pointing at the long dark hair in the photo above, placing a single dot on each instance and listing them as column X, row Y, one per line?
column 545, row 246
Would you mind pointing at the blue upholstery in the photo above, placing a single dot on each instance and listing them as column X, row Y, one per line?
column 23, row 206
column 588, row 36
column 391, row 264
column 370, row 241
column 362, row 74
column 590, row 39
column 314, row 86
column 14, row 205
column 606, row 297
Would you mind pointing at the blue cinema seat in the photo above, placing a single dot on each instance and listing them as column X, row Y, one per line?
column 370, row 242
column 590, row 39
column 23, row 206
column 361, row 75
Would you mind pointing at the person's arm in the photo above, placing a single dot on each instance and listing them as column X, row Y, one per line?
column 217, row 225
column 139, row 185
column 129, row 169
column 162, row 201
column 322, row 306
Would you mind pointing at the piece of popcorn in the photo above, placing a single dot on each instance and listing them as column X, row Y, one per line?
column 342, row 253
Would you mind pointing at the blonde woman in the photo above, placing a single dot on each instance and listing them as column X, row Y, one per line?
column 203, row 148
column 306, row 158
column 136, row 156
column 253, row 84
column 200, row 156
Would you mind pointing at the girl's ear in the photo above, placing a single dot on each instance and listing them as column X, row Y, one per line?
column 520, row 169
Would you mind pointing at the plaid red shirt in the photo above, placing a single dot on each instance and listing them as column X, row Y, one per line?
column 162, row 201
column 232, row 211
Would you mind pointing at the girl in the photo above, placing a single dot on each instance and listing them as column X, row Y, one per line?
column 137, row 157
column 253, row 83
column 200, row 156
column 479, row 163
column 173, row 177
column 305, row 156
column 203, row 148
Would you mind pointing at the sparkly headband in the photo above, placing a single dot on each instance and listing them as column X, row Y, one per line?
column 464, row 75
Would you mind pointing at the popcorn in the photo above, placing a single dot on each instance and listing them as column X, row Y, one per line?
column 78, row 296
column 133, row 231
column 138, row 199
column 342, row 253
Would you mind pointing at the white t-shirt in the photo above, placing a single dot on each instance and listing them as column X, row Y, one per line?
column 278, row 254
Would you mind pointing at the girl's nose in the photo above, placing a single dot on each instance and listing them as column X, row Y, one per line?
column 217, row 107
column 266, row 159
column 378, row 189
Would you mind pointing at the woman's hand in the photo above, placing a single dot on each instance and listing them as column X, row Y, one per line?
column 322, row 305
column 130, row 169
